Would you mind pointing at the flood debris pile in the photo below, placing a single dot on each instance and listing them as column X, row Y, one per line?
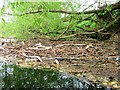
column 94, row 59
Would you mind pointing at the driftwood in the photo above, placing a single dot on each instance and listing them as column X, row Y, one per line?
column 32, row 57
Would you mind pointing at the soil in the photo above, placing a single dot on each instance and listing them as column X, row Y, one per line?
column 94, row 59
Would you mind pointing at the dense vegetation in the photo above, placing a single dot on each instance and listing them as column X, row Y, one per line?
column 58, row 20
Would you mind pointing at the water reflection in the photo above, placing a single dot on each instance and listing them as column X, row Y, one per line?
column 17, row 78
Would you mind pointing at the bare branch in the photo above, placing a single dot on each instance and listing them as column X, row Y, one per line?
column 111, row 23
column 114, row 6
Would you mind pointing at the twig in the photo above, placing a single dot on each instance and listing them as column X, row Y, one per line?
column 67, row 27
column 102, row 29
column 23, row 53
column 78, row 34
column 89, row 6
column 60, row 45
column 63, row 58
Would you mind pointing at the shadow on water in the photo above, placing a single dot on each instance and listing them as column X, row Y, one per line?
column 14, row 77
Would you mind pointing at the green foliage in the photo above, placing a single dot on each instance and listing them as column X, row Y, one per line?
column 48, row 23
column 87, row 23
column 28, row 25
column 109, row 8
